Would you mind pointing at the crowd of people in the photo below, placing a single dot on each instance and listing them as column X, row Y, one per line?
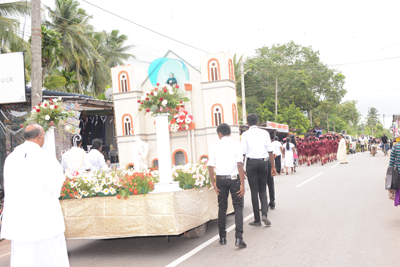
column 296, row 151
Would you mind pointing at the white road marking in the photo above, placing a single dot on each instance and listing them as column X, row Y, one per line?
column 205, row 244
column 335, row 165
column 5, row 254
column 310, row 179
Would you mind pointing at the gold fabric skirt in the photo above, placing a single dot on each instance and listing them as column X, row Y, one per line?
column 140, row 215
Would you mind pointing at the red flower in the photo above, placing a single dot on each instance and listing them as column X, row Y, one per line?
column 55, row 107
column 147, row 99
column 135, row 192
column 38, row 110
column 34, row 107
column 151, row 93
column 141, row 103
column 155, row 89
column 181, row 102
column 147, row 110
column 185, row 112
column 165, row 90
column 119, row 196
column 152, row 187
column 76, row 193
column 71, row 195
column 22, row 126
column 68, row 190
column 125, row 197
column 39, row 104
column 151, row 183
column 173, row 121
column 177, row 86
column 45, row 105
column 51, row 103
column 63, row 189
column 161, row 99
column 158, row 84
column 138, row 101
column 51, row 99
column 62, row 195
column 51, row 123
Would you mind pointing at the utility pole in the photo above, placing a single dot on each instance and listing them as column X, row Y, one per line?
column 276, row 98
column 36, row 48
column 327, row 121
column 243, row 93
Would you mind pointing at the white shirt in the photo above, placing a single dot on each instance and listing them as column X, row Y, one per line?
column 224, row 156
column 362, row 141
column 277, row 148
column 256, row 143
column 74, row 160
column 32, row 186
column 95, row 160
column 291, row 146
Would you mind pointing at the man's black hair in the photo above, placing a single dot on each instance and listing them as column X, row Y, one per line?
column 224, row 129
column 276, row 138
column 78, row 139
column 97, row 143
column 252, row 119
column 32, row 134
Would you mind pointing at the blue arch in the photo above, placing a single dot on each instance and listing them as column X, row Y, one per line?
column 160, row 69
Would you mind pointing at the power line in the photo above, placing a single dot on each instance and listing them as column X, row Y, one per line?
column 145, row 27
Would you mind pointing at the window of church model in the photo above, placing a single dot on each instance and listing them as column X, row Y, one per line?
column 230, row 68
column 155, row 163
column 217, row 115
column 124, row 82
column 234, row 114
column 203, row 158
column 180, row 158
column 213, row 67
column 127, row 125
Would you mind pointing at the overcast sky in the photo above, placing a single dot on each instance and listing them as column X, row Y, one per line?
column 342, row 31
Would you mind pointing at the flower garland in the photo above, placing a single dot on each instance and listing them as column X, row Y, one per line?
column 47, row 114
column 180, row 121
column 120, row 183
column 162, row 99
column 192, row 175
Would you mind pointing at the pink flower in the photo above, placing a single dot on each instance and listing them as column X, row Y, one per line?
column 177, row 86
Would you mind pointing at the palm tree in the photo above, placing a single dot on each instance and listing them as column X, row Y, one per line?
column 114, row 50
column 372, row 117
column 72, row 22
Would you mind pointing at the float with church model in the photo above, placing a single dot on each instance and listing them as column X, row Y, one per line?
column 165, row 117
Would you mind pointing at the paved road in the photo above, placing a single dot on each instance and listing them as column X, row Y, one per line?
column 341, row 217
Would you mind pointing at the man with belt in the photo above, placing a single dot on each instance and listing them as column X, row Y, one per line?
column 227, row 158
column 256, row 148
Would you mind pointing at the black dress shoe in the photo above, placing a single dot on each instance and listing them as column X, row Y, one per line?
column 258, row 224
column 272, row 206
column 266, row 221
column 240, row 243
column 222, row 240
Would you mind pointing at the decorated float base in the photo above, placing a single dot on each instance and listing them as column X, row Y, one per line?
column 170, row 213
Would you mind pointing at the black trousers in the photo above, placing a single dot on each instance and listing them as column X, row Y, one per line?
column 277, row 164
column 362, row 148
column 257, row 175
column 271, row 184
column 233, row 186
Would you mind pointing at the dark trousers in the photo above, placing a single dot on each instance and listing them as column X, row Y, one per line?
column 362, row 148
column 233, row 186
column 257, row 175
column 270, row 183
column 277, row 164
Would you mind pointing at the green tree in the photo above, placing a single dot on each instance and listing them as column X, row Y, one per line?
column 51, row 50
column 114, row 49
column 74, row 25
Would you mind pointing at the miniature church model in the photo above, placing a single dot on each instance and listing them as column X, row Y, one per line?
column 212, row 94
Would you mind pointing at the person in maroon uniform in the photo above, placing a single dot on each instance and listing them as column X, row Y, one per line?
column 300, row 150
column 307, row 151
column 322, row 149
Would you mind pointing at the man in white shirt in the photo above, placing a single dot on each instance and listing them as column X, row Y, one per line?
column 362, row 141
column 36, row 232
column 227, row 158
column 95, row 160
column 277, row 153
column 257, row 148
column 74, row 160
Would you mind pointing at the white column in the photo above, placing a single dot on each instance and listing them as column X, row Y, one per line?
column 166, row 183
column 50, row 143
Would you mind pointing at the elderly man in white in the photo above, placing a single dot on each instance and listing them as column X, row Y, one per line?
column 36, row 231
column 95, row 160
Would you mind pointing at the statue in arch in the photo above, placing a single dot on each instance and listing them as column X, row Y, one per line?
column 171, row 80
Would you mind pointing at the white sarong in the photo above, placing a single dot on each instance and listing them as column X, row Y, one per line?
column 47, row 252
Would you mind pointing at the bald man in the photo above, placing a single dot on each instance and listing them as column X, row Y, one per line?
column 36, row 232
